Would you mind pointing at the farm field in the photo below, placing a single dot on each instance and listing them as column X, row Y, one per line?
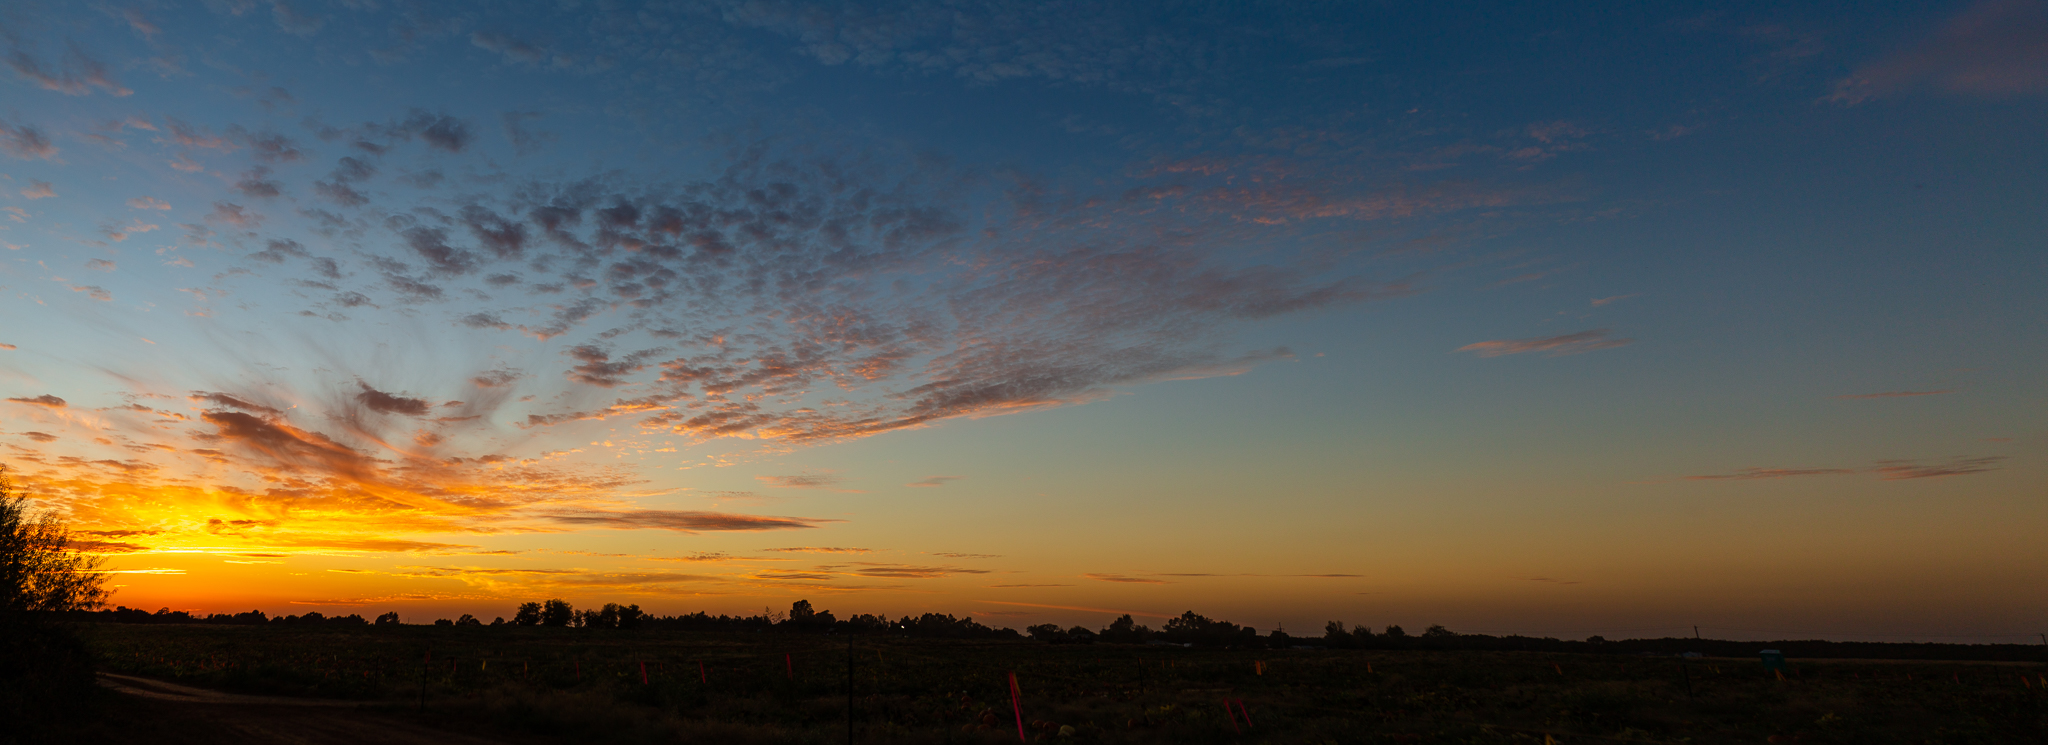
column 545, row 684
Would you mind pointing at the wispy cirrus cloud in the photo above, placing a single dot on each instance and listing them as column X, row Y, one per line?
column 1748, row 474
column 1897, row 470
column 1123, row 578
column 1898, row 394
column 934, row 481
column 1992, row 49
column 1550, row 346
column 683, row 521
column 1888, row 470
column 801, row 481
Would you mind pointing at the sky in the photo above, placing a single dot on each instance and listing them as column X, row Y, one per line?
column 1543, row 320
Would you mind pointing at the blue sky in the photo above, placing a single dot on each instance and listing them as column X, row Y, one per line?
column 1517, row 319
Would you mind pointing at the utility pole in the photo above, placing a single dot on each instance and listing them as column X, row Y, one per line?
column 1695, row 633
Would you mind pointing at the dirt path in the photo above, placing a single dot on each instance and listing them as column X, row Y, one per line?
column 161, row 713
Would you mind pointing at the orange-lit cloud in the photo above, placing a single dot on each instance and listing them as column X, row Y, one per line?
column 1100, row 577
column 821, row 550
column 1552, row 346
column 931, row 481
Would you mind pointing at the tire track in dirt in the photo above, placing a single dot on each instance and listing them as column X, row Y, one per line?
column 198, row 714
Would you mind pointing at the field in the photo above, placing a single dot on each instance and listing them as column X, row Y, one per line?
column 546, row 684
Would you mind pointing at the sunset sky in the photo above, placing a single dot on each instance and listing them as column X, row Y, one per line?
column 1538, row 320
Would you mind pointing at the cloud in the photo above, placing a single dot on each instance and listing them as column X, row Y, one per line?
column 293, row 21
column 38, row 190
column 598, row 369
column 524, row 141
column 222, row 399
column 484, row 321
column 1898, row 394
column 1888, row 470
column 1599, row 301
column 951, row 555
column 906, row 571
column 234, row 214
column 40, row 436
column 1554, row 346
column 9, row 347
column 253, row 184
column 1023, row 585
column 388, row 403
column 1099, row 577
column 276, row 250
column 1770, row 473
column 820, row 550
column 25, row 142
column 118, row 234
column 800, row 481
column 934, row 481
column 1898, row 470
column 495, row 379
column 76, row 77
column 95, row 292
column 683, row 521
column 148, row 203
column 1548, row 580
column 515, row 50
column 46, row 400
column 1995, row 49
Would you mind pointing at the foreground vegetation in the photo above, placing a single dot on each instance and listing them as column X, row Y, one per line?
column 658, row 686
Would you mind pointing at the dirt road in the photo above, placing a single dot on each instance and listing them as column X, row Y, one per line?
column 160, row 713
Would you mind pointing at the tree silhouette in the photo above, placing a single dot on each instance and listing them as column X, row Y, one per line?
column 527, row 615
column 556, row 613
column 38, row 570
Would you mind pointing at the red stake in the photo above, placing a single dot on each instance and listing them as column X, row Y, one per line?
column 1247, row 712
column 643, row 672
column 1233, row 717
column 789, row 667
column 579, row 669
column 700, row 673
column 1017, row 707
